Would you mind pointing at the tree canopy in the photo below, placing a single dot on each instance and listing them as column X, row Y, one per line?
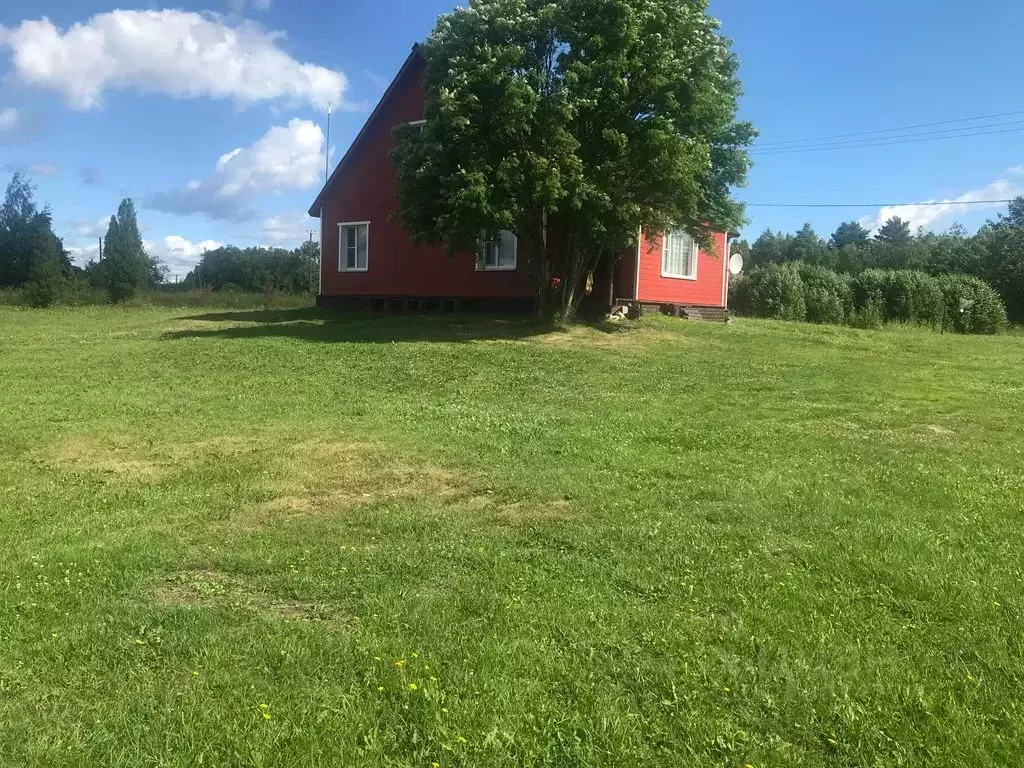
column 126, row 267
column 849, row 233
column 257, row 269
column 30, row 253
column 572, row 124
column 895, row 231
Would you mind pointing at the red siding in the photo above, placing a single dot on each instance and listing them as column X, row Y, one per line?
column 707, row 290
column 365, row 191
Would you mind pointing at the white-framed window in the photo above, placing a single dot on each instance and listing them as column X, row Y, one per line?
column 353, row 246
column 417, row 123
column 679, row 256
column 499, row 253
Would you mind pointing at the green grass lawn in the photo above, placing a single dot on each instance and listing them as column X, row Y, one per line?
column 290, row 539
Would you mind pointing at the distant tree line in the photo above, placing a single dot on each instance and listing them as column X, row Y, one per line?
column 33, row 259
column 35, row 264
column 247, row 270
column 994, row 255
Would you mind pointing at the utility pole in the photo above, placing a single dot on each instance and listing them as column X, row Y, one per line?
column 101, row 248
column 310, row 251
column 327, row 152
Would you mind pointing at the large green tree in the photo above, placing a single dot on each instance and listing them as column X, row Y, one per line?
column 126, row 267
column 1003, row 241
column 895, row 231
column 807, row 247
column 572, row 124
column 849, row 233
column 29, row 250
column 770, row 247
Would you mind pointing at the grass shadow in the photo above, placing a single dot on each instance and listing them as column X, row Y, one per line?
column 328, row 326
column 318, row 325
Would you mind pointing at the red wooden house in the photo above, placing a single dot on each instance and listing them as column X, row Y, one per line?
column 370, row 260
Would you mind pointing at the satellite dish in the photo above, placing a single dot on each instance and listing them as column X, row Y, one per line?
column 735, row 264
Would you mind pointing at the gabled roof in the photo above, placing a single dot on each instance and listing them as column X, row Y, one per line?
column 415, row 55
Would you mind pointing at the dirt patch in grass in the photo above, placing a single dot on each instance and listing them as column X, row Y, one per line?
column 124, row 459
column 318, row 477
column 519, row 512
column 621, row 337
column 207, row 588
column 87, row 454
column 223, row 446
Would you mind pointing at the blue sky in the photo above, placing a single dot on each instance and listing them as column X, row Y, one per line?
column 210, row 114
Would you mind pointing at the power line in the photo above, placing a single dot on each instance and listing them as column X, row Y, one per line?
column 959, row 129
column 890, row 130
column 876, row 205
column 797, row 150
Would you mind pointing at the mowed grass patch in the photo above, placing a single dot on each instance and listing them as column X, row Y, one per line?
column 294, row 538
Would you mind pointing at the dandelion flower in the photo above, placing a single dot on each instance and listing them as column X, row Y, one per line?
column 264, row 706
column 400, row 663
column 380, row 687
column 413, row 686
column 266, row 715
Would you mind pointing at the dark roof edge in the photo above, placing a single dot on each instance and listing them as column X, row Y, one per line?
column 314, row 209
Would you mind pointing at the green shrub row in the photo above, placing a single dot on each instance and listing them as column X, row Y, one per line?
column 795, row 291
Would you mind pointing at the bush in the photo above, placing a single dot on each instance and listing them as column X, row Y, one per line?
column 913, row 297
column 828, row 295
column 904, row 295
column 869, row 288
column 775, row 290
column 871, row 315
column 739, row 295
column 77, row 291
column 972, row 305
column 45, row 283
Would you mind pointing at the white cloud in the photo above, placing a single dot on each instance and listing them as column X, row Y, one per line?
column 179, row 254
column 87, row 228
column 183, row 54
column 289, row 230
column 44, row 169
column 287, row 157
column 932, row 212
column 82, row 254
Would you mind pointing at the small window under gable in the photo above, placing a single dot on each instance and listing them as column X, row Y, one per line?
column 354, row 246
column 679, row 256
column 499, row 253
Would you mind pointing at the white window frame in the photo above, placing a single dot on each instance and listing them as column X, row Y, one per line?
column 486, row 245
column 417, row 123
column 694, row 255
column 341, row 246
